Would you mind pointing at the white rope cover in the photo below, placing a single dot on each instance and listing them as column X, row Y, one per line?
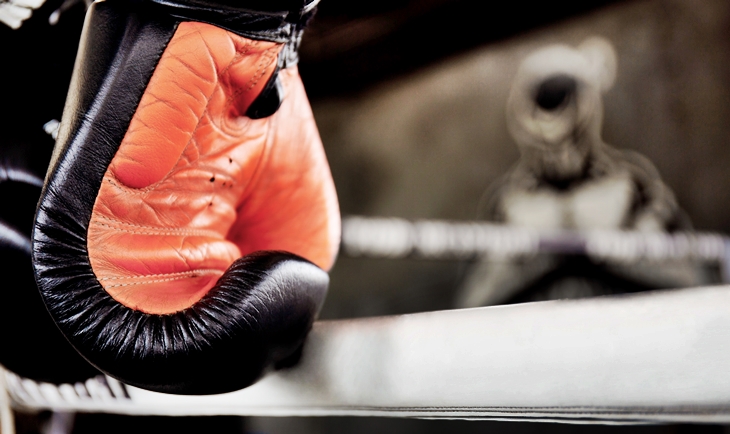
column 655, row 356
column 435, row 239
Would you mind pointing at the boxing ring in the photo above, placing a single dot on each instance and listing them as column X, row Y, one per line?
column 651, row 357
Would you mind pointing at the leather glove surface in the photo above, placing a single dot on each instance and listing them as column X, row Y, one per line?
column 33, row 347
column 189, row 216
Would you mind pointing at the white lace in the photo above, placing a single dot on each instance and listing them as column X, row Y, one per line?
column 14, row 12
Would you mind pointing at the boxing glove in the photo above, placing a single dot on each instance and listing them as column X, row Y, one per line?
column 33, row 347
column 188, row 216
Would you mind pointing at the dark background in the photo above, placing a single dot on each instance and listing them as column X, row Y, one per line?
column 410, row 96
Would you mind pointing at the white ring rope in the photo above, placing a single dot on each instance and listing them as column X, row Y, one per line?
column 651, row 357
column 435, row 239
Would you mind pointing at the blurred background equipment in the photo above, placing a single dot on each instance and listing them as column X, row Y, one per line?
column 410, row 99
column 394, row 238
column 424, row 141
column 568, row 178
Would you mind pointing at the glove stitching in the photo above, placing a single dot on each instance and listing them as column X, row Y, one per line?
column 154, row 230
column 180, row 274
column 244, row 51
column 150, row 281
column 267, row 58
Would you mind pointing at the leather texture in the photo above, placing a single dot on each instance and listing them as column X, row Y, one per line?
column 179, row 244
column 269, row 20
column 195, row 185
column 32, row 346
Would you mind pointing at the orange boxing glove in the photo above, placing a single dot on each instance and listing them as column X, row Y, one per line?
column 189, row 216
